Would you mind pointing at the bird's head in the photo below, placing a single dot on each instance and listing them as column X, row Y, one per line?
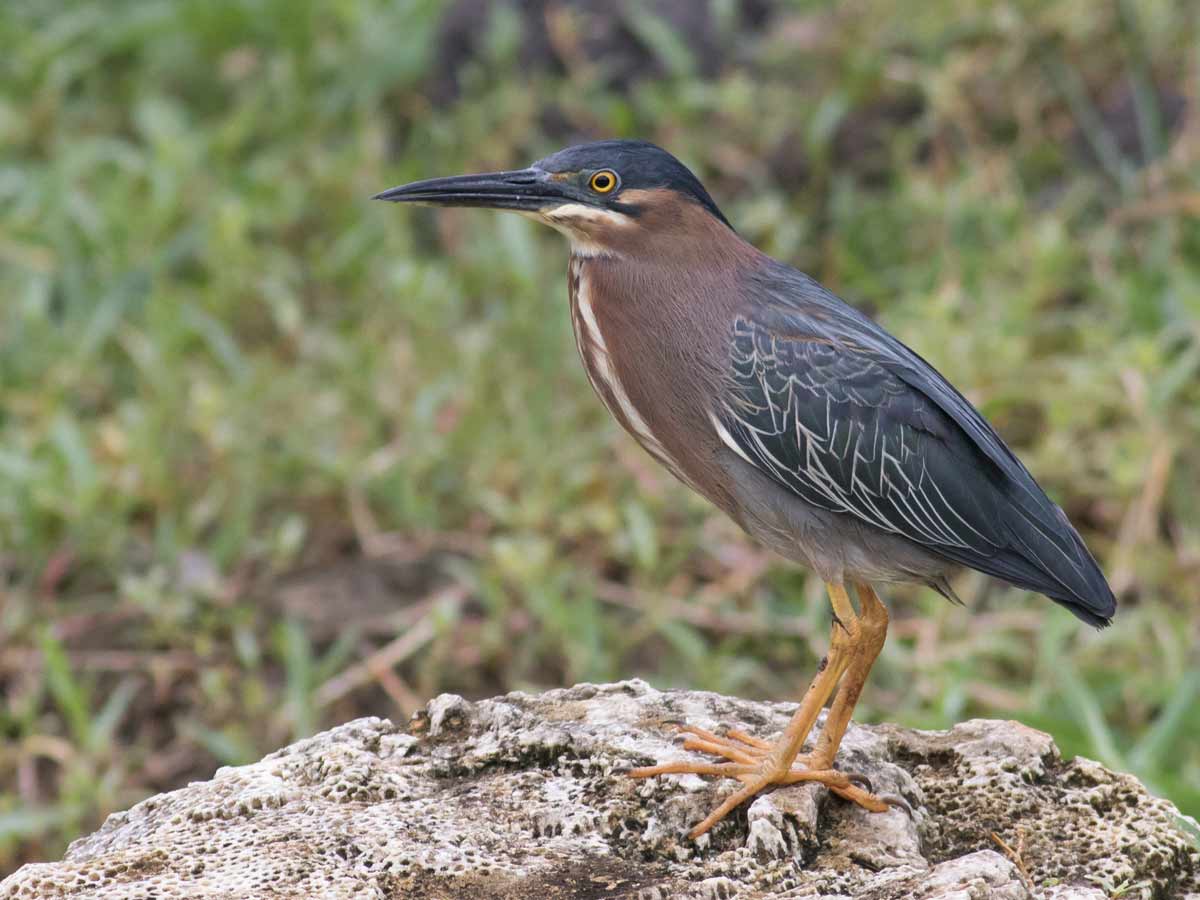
column 607, row 197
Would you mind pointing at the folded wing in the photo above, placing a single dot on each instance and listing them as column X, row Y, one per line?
column 835, row 409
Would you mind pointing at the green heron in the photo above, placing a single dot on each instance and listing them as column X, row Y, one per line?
column 819, row 433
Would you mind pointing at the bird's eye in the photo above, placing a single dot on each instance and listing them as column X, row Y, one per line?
column 603, row 181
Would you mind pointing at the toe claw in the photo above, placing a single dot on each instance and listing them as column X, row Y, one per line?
column 861, row 780
column 895, row 800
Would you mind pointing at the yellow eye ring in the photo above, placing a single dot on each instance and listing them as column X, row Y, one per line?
column 603, row 182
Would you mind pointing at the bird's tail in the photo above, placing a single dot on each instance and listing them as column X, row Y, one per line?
column 1052, row 559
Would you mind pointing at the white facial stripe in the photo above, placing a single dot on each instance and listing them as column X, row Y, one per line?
column 571, row 218
column 578, row 212
column 580, row 245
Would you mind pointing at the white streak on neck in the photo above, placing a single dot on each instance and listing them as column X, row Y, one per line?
column 598, row 365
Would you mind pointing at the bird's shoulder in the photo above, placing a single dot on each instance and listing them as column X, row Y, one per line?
column 815, row 331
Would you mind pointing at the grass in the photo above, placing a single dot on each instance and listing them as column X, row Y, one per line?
column 273, row 456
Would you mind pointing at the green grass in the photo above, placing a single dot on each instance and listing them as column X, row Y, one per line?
column 254, row 427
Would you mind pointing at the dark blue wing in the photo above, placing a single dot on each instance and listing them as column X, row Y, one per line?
column 844, row 415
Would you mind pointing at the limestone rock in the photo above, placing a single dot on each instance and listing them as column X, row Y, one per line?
column 524, row 796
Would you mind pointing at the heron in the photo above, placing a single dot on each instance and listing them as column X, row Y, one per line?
column 819, row 433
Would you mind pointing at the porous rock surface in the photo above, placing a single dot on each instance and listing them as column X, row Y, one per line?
column 524, row 796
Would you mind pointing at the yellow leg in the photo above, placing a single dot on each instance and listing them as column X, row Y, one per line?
column 853, row 646
column 873, row 623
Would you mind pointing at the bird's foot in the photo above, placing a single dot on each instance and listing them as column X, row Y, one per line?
column 752, row 762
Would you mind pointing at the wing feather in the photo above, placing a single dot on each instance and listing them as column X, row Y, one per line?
column 831, row 406
column 842, row 432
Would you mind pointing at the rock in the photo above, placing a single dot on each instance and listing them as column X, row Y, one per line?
column 524, row 796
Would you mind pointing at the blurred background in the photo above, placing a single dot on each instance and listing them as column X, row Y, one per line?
column 273, row 456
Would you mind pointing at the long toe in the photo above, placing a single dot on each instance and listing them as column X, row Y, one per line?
column 730, row 803
column 867, row 800
column 766, row 775
column 728, row 751
column 749, row 740
column 750, row 762
column 731, row 746
column 850, row 786
column 686, row 767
